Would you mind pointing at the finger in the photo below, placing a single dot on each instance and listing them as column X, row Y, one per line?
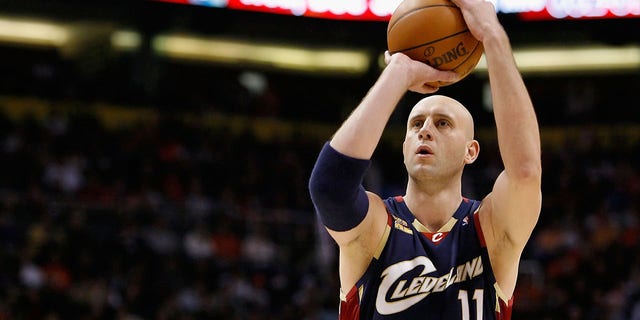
column 453, row 76
column 425, row 88
column 429, row 89
column 387, row 57
column 448, row 76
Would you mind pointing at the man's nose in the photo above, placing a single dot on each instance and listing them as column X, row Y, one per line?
column 425, row 132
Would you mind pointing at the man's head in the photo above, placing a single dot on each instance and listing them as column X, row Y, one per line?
column 439, row 139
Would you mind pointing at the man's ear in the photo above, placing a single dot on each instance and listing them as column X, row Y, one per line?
column 473, row 149
column 404, row 156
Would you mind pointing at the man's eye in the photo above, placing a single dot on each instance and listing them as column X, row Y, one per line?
column 443, row 123
column 417, row 124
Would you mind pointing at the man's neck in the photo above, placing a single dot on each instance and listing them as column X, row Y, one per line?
column 433, row 208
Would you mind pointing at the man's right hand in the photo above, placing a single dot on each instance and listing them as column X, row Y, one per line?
column 417, row 74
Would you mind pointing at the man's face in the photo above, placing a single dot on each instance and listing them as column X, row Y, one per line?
column 438, row 137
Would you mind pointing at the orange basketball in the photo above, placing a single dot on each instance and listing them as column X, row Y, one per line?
column 434, row 31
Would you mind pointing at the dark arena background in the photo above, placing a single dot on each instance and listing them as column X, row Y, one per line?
column 155, row 156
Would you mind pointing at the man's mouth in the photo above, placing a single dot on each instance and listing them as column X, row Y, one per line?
column 424, row 150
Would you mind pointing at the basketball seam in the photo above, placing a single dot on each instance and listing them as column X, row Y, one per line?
column 416, row 9
column 434, row 41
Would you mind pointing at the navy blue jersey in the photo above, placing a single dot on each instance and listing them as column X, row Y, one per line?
column 417, row 274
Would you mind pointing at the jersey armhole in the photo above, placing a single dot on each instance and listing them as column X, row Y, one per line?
column 476, row 220
column 504, row 300
column 504, row 303
column 350, row 304
column 385, row 236
column 350, row 301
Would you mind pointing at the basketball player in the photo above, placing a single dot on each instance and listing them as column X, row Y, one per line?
column 432, row 253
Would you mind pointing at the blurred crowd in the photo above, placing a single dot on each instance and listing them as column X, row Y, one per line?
column 170, row 219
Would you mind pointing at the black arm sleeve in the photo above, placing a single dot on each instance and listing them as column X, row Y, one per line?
column 336, row 189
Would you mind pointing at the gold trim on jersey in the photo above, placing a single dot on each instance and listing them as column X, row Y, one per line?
column 382, row 242
column 343, row 296
column 501, row 295
column 446, row 228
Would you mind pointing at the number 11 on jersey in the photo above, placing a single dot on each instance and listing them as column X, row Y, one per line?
column 463, row 296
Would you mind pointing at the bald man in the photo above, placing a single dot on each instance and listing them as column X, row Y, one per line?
column 432, row 253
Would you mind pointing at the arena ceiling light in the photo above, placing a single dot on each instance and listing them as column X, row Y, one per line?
column 588, row 59
column 541, row 61
column 33, row 32
column 126, row 40
column 30, row 32
column 319, row 60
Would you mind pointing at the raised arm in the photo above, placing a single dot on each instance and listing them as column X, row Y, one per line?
column 355, row 218
column 360, row 133
column 510, row 212
column 354, row 142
